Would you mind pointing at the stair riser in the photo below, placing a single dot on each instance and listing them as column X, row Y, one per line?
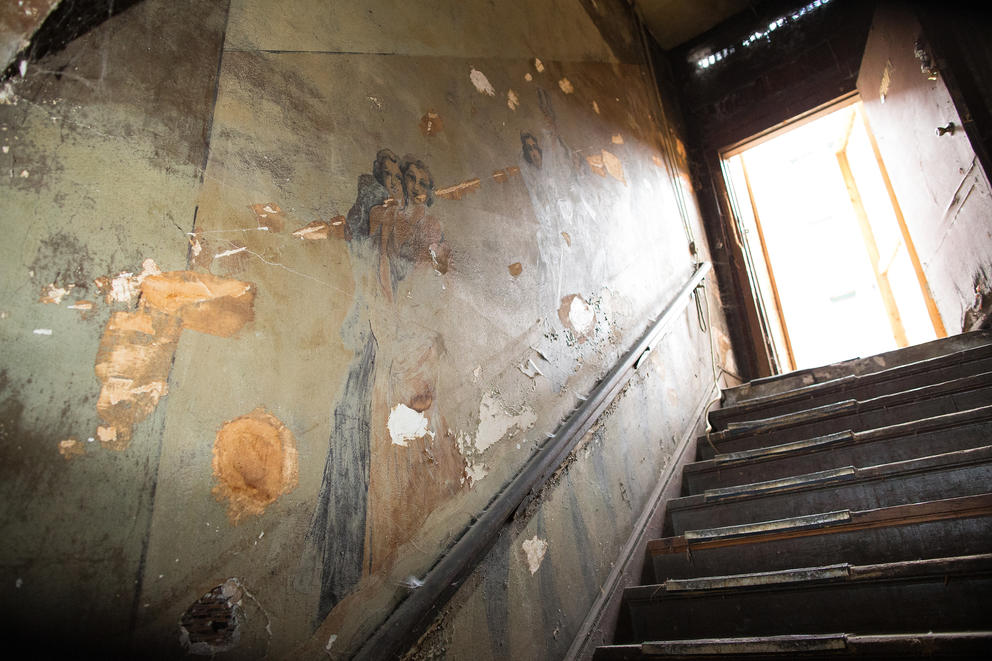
column 857, row 454
column 854, row 494
column 954, row 603
column 933, row 539
column 720, row 417
column 871, row 419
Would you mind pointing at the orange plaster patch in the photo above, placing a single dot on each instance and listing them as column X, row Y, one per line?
column 596, row 164
column 613, row 166
column 658, row 161
column 270, row 216
column 204, row 302
column 568, row 238
column 320, row 230
column 255, row 461
column 132, row 364
column 617, row 139
column 516, row 268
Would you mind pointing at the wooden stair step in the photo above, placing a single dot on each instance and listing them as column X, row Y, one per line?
column 953, row 526
column 912, row 405
column 854, row 386
column 946, row 475
column 929, row 645
column 791, row 380
column 908, row 440
column 941, row 595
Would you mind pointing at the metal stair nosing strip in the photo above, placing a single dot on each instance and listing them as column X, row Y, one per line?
column 919, row 644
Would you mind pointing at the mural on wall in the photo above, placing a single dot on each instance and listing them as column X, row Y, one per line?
column 391, row 457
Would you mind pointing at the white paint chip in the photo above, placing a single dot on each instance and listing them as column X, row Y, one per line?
column 42, row 331
column 495, row 421
column 481, row 82
column 530, row 369
column 534, row 549
column 330, row 642
column 23, row 66
column 19, row 583
column 581, row 316
column 406, row 425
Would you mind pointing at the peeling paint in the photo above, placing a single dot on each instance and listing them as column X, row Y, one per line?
column 82, row 305
column 254, row 461
column 566, row 86
column 42, row 331
column 577, row 315
column 212, row 624
column 320, row 230
column 530, row 369
column 595, row 107
column 567, row 237
column 269, row 216
column 595, row 162
column 431, row 124
column 481, row 83
column 512, row 100
column 613, row 166
column 52, row 294
column 515, row 269
column 534, row 550
column 406, row 424
column 496, row 422
column 132, row 364
column 71, row 447
column 528, row 77
column 538, row 65
column 617, row 139
column 458, row 191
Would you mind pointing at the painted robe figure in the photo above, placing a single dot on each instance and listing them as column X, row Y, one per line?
column 375, row 494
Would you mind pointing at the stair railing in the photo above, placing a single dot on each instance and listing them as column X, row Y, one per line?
column 414, row 615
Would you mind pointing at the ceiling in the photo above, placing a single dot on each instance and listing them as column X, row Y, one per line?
column 673, row 22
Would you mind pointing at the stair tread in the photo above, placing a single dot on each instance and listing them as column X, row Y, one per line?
column 851, row 382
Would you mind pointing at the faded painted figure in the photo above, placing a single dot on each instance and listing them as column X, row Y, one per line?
column 383, row 476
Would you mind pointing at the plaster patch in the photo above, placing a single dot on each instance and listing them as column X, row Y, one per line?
column 269, row 216
column 534, row 549
column 481, row 82
column 595, row 107
column 255, row 461
column 406, row 424
column 203, row 302
column 125, row 285
column 568, row 238
column 512, row 100
column 515, row 269
column 528, row 77
column 566, row 86
column 320, row 230
column 530, row 369
column 474, row 473
column 657, row 161
column 617, row 139
column 538, row 65
column 82, row 305
column 595, row 162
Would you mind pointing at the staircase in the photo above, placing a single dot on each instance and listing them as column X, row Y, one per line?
column 843, row 511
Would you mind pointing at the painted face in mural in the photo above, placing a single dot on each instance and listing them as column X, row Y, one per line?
column 388, row 173
column 532, row 150
column 418, row 183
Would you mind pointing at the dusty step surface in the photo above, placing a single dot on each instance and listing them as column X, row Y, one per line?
column 947, row 475
column 885, row 382
column 941, row 528
column 909, row 440
column 925, row 402
column 792, row 380
column 958, row 644
column 940, row 595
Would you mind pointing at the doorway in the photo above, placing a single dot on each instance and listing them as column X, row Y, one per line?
column 833, row 268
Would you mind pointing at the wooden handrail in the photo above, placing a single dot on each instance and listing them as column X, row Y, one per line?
column 414, row 615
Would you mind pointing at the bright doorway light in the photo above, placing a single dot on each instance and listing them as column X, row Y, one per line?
column 830, row 258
